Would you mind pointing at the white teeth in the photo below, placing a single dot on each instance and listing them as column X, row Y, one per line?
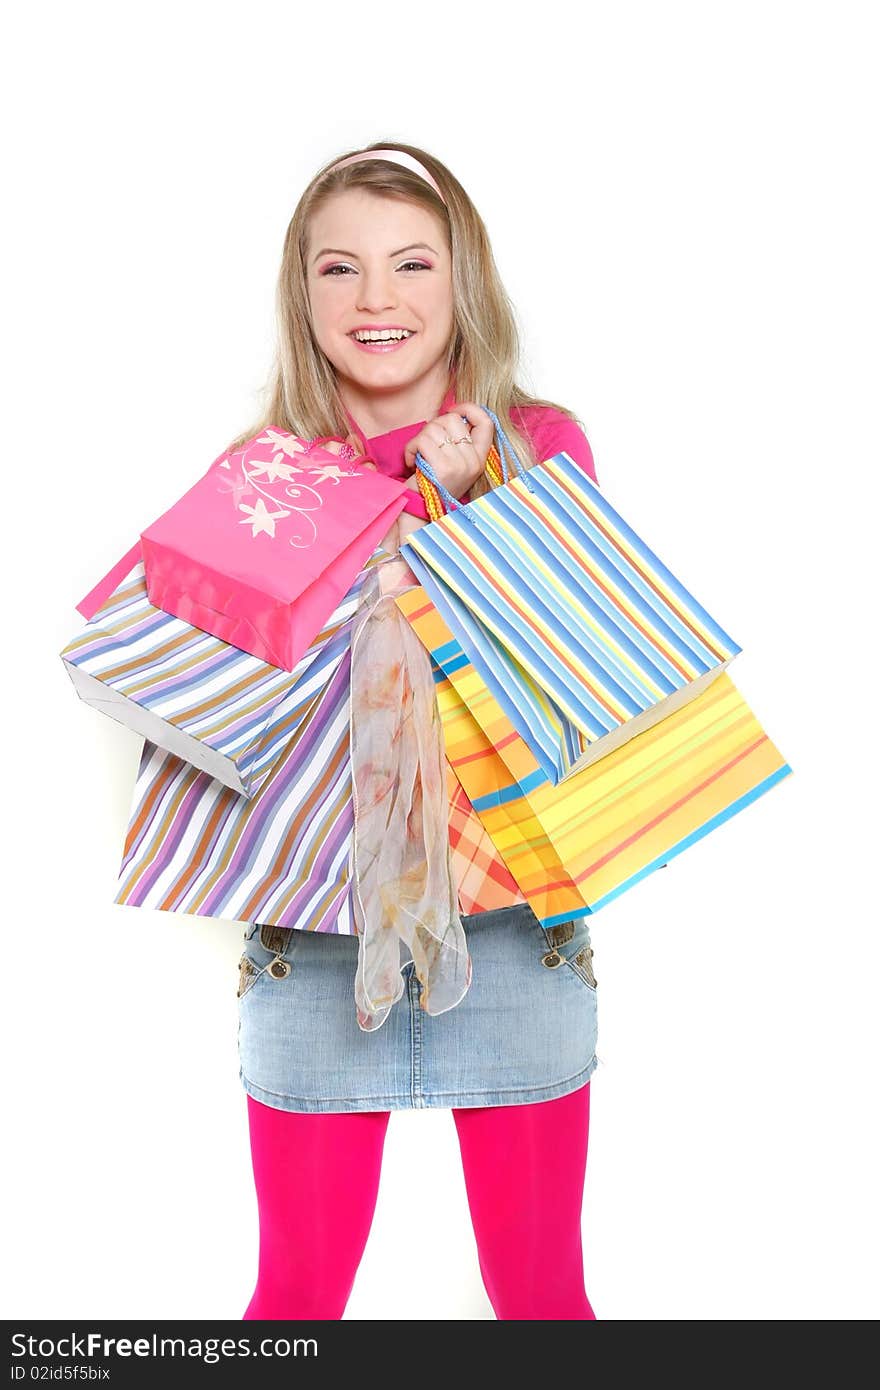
column 381, row 336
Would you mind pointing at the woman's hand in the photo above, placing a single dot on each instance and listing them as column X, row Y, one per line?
column 391, row 540
column 459, row 464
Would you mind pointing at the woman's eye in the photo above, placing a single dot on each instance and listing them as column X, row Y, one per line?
column 406, row 265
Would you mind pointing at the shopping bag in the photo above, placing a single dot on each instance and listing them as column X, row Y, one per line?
column 581, row 633
column 190, row 693
column 574, row 847
column 280, row 857
column 262, row 548
column 485, row 884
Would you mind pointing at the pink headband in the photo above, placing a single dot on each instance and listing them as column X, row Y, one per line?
column 394, row 157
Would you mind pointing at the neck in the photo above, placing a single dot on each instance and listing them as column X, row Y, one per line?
column 377, row 412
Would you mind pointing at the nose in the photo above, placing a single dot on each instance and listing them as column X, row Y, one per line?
column 376, row 291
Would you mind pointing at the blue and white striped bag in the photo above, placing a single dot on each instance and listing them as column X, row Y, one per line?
column 581, row 633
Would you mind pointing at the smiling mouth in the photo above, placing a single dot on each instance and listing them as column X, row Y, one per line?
column 391, row 341
column 375, row 335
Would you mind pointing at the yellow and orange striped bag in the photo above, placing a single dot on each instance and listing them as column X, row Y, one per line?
column 575, row 846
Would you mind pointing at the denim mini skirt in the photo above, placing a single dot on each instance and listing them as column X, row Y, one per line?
column 525, row 1031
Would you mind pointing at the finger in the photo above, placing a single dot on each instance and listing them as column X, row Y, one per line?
column 482, row 428
column 360, row 457
column 429, row 435
column 355, row 442
column 409, row 452
column 451, row 428
column 443, row 428
column 472, row 440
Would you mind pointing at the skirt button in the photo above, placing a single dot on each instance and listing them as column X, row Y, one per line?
column 279, row 969
column 551, row 960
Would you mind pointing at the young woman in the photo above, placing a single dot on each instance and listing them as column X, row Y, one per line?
column 395, row 333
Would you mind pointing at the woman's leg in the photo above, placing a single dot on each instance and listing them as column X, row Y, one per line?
column 317, row 1179
column 524, row 1168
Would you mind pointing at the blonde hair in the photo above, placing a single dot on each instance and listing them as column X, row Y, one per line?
column 302, row 393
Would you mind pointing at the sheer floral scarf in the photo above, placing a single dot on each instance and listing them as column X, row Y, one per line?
column 403, row 889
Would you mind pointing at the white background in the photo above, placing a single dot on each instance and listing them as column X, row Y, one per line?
column 682, row 203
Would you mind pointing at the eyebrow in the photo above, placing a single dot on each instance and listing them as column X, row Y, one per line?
column 413, row 246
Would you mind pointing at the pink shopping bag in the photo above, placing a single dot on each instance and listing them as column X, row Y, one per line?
column 262, row 548
column 89, row 605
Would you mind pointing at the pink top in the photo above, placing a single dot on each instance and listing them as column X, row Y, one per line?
column 551, row 433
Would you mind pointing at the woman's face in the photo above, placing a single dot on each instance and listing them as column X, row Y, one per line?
column 376, row 263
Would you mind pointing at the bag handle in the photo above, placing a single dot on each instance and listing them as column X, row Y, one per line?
column 497, row 469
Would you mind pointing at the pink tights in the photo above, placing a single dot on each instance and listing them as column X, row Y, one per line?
column 317, row 1180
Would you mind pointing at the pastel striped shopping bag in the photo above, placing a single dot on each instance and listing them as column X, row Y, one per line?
column 581, row 633
column 280, row 857
column 573, row 848
column 225, row 711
